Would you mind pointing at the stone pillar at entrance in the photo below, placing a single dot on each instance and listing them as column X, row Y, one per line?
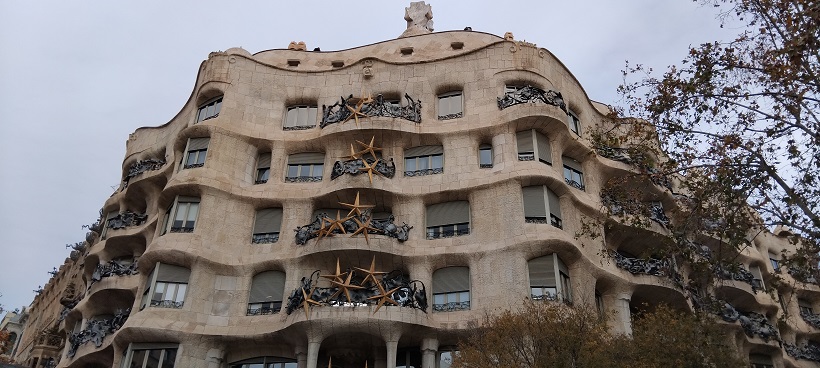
column 313, row 353
column 429, row 347
column 301, row 357
column 392, row 347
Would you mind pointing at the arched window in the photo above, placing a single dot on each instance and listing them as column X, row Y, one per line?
column 549, row 279
column 451, row 289
column 267, row 289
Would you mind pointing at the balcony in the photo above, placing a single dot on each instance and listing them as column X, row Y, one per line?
column 738, row 273
column 140, row 167
column 424, row 172
column 96, row 331
column 265, row 238
column 651, row 266
column 811, row 319
column 809, row 351
column 261, row 309
column 114, row 268
column 529, row 94
column 126, row 219
column 553, row 220
column 754, row 324
column 451, row 307
column 167, row 304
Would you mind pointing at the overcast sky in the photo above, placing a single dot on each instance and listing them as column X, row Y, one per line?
column 76, row 77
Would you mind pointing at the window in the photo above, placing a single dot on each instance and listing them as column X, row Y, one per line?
column 450, row 106
column 150, row 356
column 540, row 201
column 262, row 168
column 301, row 117
column 451, row 289
column 265, row 362
column 775, row 260
column 757, row 282
column 448, row 219
column 805, row 307
column 574, row 123
column 424, row 160
column 573, row 173
column 104, row 231
column 181, row 216
column 408, row 358
column 209, row 110
column 485, row 156
column 760, row 361
column 195, row 152
column 266, row 226
column 531, row 145
column 166, row 287
column 599, row 304
column 266, row 293
column 549, row 279
column 305, row 167
column 445, row 357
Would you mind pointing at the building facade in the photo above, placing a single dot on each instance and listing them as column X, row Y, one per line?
column 364, row 207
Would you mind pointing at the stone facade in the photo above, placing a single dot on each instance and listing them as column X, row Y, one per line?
column 237, row 214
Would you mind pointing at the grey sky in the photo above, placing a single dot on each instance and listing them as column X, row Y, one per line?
column 76, row 77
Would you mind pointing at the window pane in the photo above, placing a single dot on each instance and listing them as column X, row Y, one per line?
column 311, row 118
column 137, row 358
column 438, row 162
column 485, row 157
column 410, row 164
column 218, row 107
column 180, row 297
column 159, row 290
column 190, row 159
column 317, row 170
column 170, row 357
column 170, row 290
column 153, row 358
column 423, row 162
column 293, row 171
column 192, row 212
column 439, row 299
column 303, row 116
column 567, row 173
column 464, row 296
column 291, row 118
column 455, row 104
column 443, row 106
column 263, row 174
column 200, row 156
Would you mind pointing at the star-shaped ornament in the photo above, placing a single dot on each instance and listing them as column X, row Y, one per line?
column 356, row 112
column 364, row 227
column 337, row 276
column 384, row 297
column 368, row 148
column 372, row 273
column 345, row 287
column 307, row 301
column 353, row 154
column 338, row 223
column 356, row 207
column 370, row 169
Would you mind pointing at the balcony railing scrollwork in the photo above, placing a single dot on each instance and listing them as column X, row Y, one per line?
column 574, row 184
column 807, row 352
column 96, row 331
column 140, row 167
column 451, row 307
column 303, row 179
column 113, row 268
column 553, row 220
column 126, row 219
column 167, row 304
column 530, row 94
column 739, row 273
column 261, row 309
column 265, row 238
column 347, row 108
column 424, row 172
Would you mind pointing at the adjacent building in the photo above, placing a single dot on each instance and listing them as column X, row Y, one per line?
column 363, row 207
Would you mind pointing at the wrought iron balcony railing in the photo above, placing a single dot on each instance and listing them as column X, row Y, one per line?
column 265, row 238
column 451, row 307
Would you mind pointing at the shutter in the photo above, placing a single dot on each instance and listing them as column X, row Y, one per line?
column 554, row 203
column 542, row 271
column 450, row 279
column 306, row 158
column 524, row 141
column 198, row 143
column 534, row 203
column 171, row 273
column 544, row 150
column 570, row 162
column 267, row 286
column 485, row 146
column 268, row 220
column 184, row 199
column 423, row 151
column 448, row 213
column 263, row 161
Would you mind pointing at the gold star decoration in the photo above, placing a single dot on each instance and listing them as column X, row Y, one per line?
column 307, row 302
column 356, row 112
column 337, row 276
column 355, row 207
column 384, row 297
column 368, row 148
column 372, row 273
column 364, row 227
column 345, row 287
column 353, row 154
column 370, row 169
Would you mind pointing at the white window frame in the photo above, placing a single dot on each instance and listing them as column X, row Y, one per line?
column 429, row 160
column 129, row 354
column 572, row 174
column 298, row 116
column 199, row 156
column 209, row 109
column 174, row 210
column 447, row 106
column 485, row 148
column 151, row 289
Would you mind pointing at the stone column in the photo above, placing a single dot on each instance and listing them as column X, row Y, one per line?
column 301, row 356
column 624, row 316
column 214, row 358
column 313, row 353
column 379, row 358
column 429, row 347
column 392, row 347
